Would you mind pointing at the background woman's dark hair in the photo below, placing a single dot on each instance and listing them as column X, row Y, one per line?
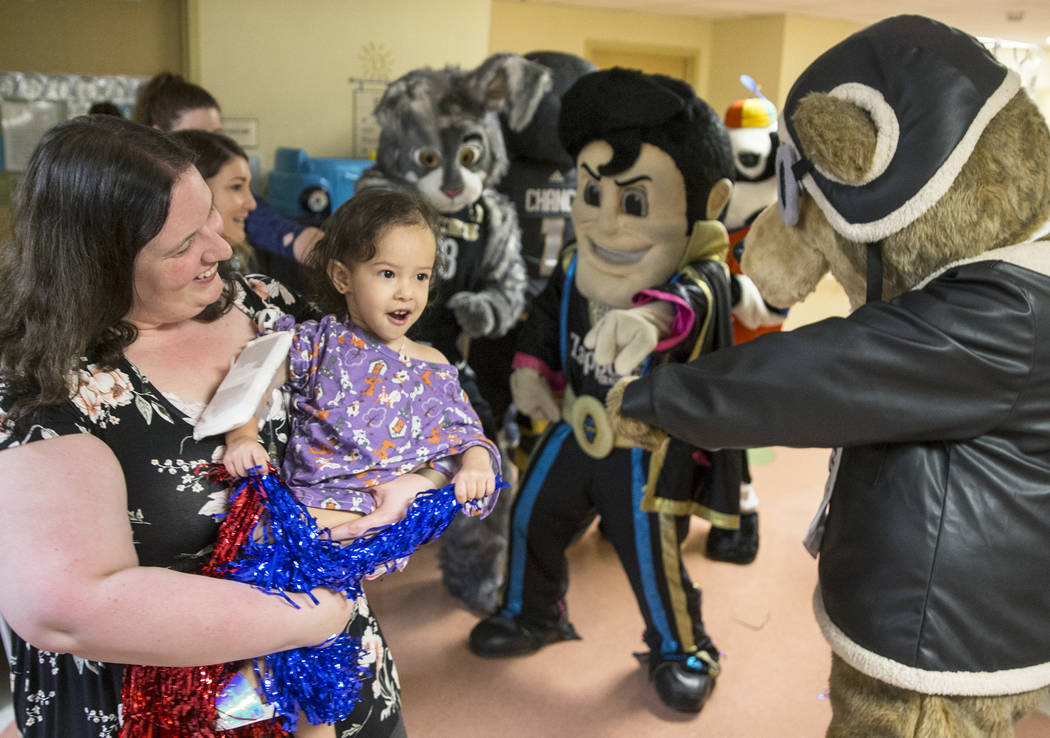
column 105, row 108
column 352, row 232
column 212, row 150
column 165, row 97
column 96, row 190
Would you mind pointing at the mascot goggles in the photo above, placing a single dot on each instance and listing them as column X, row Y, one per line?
column 790, row 169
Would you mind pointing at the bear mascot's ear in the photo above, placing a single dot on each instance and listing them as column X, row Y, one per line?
column 838, row 136
column 787, row 262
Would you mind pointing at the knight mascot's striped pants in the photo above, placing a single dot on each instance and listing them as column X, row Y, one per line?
column 559, row 495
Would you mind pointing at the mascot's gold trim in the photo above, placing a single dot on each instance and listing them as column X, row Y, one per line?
column 574, row 411
column 652, row 503
column 709, row 241
column 467, row 230
column 672, row 570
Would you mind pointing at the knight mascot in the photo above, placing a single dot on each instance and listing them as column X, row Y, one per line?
column 644, row 284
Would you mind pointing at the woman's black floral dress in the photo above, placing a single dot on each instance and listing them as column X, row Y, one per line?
column 170, row 508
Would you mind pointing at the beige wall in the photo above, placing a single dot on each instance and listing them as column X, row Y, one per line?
column 524, row 27
column 1039, row 87
column 91, row 36
column 752, row 46
column 806, row 38
column 288, row 64
column 773, row 49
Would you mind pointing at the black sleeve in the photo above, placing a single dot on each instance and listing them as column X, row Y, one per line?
column 942, row 363
column 539, row 335
column 702, row 287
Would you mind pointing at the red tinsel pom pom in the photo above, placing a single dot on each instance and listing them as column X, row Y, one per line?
column 179, row 702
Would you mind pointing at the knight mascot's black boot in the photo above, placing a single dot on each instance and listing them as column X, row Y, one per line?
column 684, row 682
column 735, row 546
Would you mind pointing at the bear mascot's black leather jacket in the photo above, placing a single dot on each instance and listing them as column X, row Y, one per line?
column 939, row 517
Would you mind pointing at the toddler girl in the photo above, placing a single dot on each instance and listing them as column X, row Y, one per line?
column 376, row 417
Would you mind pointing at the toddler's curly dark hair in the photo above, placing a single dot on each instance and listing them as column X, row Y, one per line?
column 352, row 232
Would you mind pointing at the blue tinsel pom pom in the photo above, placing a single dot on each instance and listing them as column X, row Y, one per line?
column 293, row 555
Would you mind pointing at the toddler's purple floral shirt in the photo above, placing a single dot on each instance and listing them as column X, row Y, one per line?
column 363, row 415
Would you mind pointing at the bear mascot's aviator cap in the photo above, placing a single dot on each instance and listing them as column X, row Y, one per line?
column 930, row 91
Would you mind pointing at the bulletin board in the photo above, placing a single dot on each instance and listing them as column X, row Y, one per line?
column 31, row 103
column 366, row 95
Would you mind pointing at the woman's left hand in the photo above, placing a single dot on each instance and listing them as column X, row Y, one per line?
column 392, row 501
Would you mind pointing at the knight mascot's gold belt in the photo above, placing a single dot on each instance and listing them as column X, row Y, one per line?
column 590, row 424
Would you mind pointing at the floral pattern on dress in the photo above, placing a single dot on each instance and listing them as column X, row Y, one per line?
column 95, row 392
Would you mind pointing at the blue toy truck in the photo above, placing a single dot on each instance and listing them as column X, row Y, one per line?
column 306, row 188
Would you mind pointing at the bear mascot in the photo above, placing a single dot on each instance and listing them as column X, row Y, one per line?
column 440, row 137
column 914, row 168
column 645, row 283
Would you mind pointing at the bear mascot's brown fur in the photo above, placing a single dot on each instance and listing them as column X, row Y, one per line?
column 916, row 170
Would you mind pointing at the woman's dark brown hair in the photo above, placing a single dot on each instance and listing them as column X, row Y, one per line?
column 96, row 190
column 212, row 152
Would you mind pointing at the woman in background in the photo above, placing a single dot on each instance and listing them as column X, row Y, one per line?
column 224, row 166
column 170, row 103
